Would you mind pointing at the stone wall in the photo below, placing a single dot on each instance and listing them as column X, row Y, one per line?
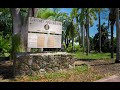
column 37, row 63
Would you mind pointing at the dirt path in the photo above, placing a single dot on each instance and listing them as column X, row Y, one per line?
column 102, row 66
column 114, row 78
column 107, row 67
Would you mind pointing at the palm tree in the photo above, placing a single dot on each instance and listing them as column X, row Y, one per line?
column 82, row 24
column 118, row 36
column 75, row 15
column 70, row 33
column 90, row 15
column 99, row 18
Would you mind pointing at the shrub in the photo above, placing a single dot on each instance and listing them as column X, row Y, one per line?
column 76, row 48
column 5, row 45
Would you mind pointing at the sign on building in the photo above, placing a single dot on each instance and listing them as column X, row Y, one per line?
column 40, row 33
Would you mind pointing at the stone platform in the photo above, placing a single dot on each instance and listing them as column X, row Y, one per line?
column 37, row 63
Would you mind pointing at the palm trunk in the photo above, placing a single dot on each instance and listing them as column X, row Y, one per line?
column 112, row 43
column 99, row 33
column 83, row 38
column 79, row 38
column 87, row 32
column 67, row 42
column 72, row 44
column 82, row 35
column 88, row 38
column 78, row 29
column 118, row 36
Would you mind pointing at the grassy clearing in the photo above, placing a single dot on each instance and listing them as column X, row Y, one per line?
column 81, row 55
column 79, row 74
column 64, row 74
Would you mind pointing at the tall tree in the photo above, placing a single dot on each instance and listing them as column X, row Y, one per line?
column 118, row 36
column 112, row 17
column 99, row 19
column 104, row 39
column 90, row 15
column 75, row 15
column 82, row 24
column 87, row 30
column 20, row 22
column 70, row 33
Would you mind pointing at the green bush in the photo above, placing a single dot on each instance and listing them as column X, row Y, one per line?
column 76, row 48
column 69, row 49
column 5, row 45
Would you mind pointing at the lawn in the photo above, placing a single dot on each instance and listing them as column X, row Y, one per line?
column 80, row 55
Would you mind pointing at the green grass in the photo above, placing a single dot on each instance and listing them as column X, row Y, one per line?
column 81, row 68
column 81, row 55
column 57, row 75
column 76, row 70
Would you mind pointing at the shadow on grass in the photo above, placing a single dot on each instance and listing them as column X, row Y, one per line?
column 86, row 60
column 102, row 64
column 6, row 70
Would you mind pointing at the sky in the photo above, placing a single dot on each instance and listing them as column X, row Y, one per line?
column 93, row 30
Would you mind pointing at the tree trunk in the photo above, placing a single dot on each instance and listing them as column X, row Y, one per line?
column 72, row 44
column 99, row 33
column 88, row 38
column 82, row 35
column 16, row 26
column 87, row 31
column 79, row 38
column 83, row 38
column 112, row 43
column 118, row 36
column 78, row 29
column 20, row 25
column 67, row 42
column 17, row 22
